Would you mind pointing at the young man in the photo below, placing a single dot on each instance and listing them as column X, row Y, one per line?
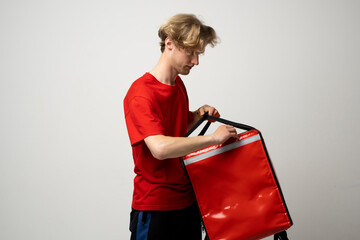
column 157, row 117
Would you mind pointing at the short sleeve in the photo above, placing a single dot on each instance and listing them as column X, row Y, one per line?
column 142, row 120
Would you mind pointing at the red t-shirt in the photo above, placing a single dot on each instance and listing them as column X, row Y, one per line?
column 154, row 108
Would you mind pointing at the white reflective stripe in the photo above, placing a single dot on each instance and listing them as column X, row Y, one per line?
column 222, row 149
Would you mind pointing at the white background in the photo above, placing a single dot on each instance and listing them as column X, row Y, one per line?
column 289, row 68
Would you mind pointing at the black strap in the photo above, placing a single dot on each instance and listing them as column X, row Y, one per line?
column 203, row 131
column 206, row 116
column 281, row 236
column 197, row 124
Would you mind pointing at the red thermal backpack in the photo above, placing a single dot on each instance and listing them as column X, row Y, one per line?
column 237, row 191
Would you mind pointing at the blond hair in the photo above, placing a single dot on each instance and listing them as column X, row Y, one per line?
column 188, row 32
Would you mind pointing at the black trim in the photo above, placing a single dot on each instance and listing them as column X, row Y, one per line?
column 275, row 177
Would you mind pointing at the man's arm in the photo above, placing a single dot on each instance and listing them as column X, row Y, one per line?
column 164, row 147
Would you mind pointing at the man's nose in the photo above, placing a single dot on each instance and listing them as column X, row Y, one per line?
column 195, row 59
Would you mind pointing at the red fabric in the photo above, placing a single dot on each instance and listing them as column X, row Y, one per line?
column 153, row 108
column 236, row 190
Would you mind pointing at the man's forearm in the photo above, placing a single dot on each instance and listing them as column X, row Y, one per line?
column 163, row 147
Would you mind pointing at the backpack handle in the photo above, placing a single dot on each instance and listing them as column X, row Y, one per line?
column 206, row 116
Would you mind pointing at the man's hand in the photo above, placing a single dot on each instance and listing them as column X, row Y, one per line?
column 206, row 108
column 223, row 133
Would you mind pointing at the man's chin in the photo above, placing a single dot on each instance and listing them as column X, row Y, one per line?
column 185, row 72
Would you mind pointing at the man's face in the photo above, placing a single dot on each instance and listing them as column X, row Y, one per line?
column 184, row 60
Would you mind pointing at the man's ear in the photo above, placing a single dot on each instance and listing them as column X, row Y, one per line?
column 169, row 44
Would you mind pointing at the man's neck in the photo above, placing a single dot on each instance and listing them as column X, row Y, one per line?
column 164, row 72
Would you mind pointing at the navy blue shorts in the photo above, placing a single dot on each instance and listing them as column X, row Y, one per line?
column 184, row 224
